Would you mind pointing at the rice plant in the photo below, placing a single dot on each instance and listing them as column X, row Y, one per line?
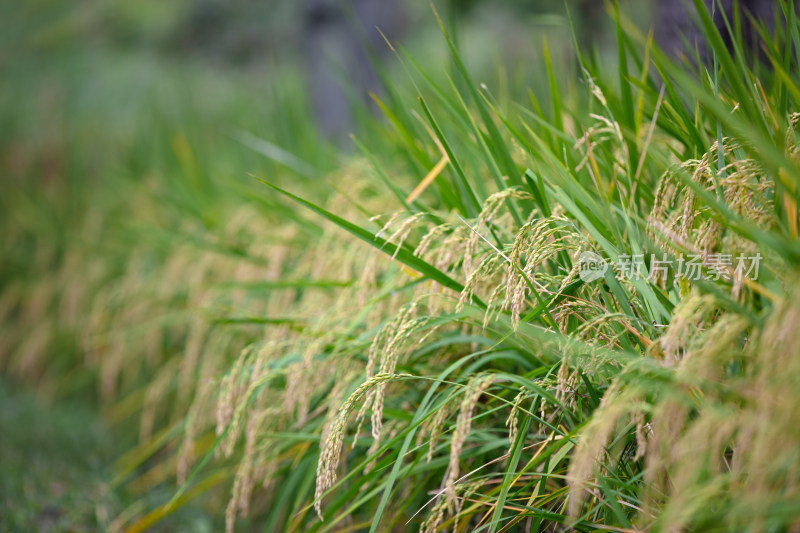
column 572, row 309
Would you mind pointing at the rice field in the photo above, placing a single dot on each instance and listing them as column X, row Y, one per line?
column 563, row 300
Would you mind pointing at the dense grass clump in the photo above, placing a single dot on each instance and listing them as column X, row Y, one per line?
column 427, row 347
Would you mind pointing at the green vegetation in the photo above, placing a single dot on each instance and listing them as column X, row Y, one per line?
column 414, row 347
column 53, row 478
